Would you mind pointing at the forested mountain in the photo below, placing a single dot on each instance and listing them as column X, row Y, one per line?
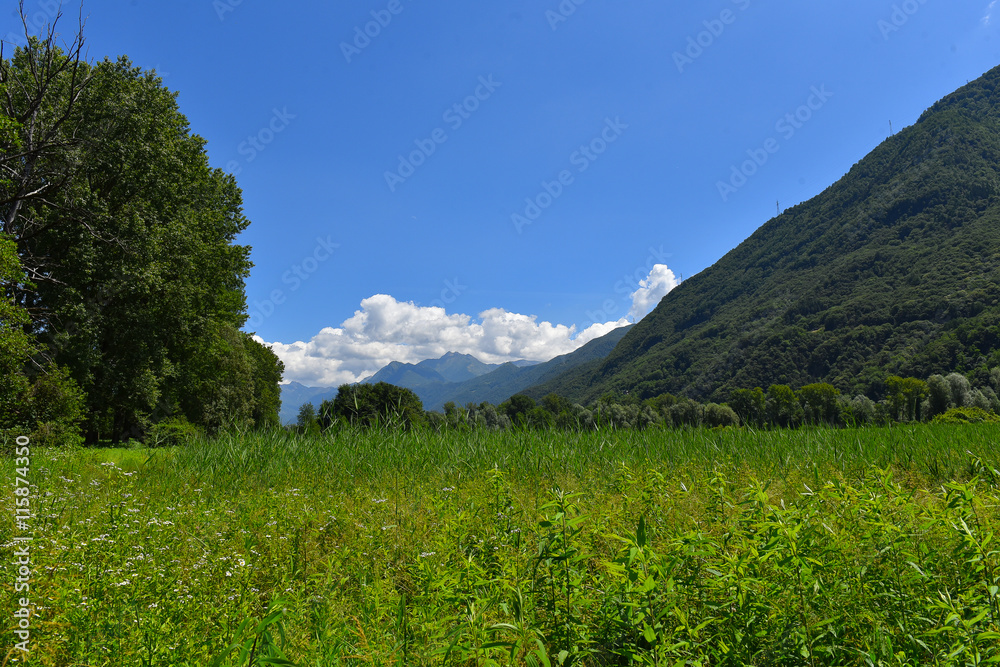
column 119, row 260
column 511, row 378
column 893, row 270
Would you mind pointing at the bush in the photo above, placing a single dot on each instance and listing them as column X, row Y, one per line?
column 966, row 416
column 49, row 410
column 720, row 415
column 173, row 432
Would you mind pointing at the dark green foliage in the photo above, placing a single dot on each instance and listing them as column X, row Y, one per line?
column 783, row 408
column 819, row 403
column 905, row 396
column 686, row 413
column 15, row 344
column 370, row 405
column 893, row 270
column 939, row 395
column 750, row 405
column 966, row 416
column 37, row 398
column 518, row 409
column 716, row 416
column 129, row 237
column 172, row 432
column 307, row 417
column 52, row 409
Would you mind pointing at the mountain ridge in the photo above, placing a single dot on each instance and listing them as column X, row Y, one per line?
column 492, row 383
column 893, row 269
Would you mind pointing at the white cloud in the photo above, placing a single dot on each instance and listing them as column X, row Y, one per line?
column 989, row 13
column 660, row 281
column 385, row 330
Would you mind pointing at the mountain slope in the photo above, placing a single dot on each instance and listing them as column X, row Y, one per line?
column 894, row 269
column 510, row 378
column 295, row 394
column 452, row 367
column 482, row 382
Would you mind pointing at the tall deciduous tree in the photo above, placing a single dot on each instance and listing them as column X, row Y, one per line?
column 367, row 405
column 129, row 238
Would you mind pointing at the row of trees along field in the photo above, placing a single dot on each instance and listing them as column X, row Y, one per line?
column 121, row 282
column 944, row 398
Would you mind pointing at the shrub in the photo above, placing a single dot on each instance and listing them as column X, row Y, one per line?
column 720, row 415
column 173, row 432
column 966, row 416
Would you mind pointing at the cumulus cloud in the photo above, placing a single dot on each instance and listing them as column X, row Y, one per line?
column 385, row 330
column 660, row 281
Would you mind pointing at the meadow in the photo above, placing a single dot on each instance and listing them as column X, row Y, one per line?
column 697, row 547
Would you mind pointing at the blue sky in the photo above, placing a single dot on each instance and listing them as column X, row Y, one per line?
column 390, row 177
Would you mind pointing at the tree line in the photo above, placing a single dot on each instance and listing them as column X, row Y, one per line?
column 121, row 282
column 944, row 398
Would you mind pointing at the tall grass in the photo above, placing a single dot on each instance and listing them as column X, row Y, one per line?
column 935, row 452
column 733, row 547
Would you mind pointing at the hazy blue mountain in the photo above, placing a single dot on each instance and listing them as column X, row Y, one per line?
column 460, row 378
column 452, row 367
column 294, row 395
column 510, row 379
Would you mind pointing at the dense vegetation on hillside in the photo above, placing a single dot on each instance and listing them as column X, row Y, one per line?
column 121, row 282
column 893, row 270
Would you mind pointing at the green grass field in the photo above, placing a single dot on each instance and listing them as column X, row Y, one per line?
column 810, row 547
